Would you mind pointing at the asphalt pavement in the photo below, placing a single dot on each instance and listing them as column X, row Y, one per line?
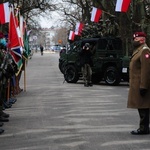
column 54, row 115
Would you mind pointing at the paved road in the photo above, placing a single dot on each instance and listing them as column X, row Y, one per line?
column 52, row 115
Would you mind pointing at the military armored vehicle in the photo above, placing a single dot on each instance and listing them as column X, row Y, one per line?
column 109, row 64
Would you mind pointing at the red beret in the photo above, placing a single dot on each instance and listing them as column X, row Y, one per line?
column 139, row 34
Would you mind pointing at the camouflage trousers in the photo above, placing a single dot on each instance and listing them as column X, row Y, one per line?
column 87, row 73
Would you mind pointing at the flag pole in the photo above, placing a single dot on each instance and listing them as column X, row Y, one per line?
column 25, row 75
column 8, row 90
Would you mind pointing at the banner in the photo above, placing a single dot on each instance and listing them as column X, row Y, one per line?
column 4, row 13
column 122, row 5
column 78, row 29
column 71, row 35
column 96, row 14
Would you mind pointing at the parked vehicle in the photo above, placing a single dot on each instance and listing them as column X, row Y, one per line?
column 109, row 64
column 56, row 48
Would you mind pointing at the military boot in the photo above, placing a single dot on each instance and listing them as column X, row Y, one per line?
column 86, row 84
column 90, row 84
column 1, row 124
column 1, row 131
column 3, row 114
column 7, row 105
column 2, row 119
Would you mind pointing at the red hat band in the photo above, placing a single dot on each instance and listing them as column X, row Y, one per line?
column 139, row 34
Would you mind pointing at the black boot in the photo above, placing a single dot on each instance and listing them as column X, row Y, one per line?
column 86, row 84
column 1, row 124
column 7, row 105
column 2, row 119
column 12, row 100
column 3, row 114
column 90, row 84
column 1, row 131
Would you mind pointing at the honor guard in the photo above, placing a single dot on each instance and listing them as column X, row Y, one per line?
column 139, row 82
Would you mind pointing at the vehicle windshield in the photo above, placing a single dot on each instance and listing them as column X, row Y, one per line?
column 110, row 44
column 73, row 47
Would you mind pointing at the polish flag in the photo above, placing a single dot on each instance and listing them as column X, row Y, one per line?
column 71, row 35
column 78, row 29
column 4, row 13
column 96, row 14
column 122, row 5
column 21, row 29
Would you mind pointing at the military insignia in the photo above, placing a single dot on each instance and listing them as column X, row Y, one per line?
column 147, row 56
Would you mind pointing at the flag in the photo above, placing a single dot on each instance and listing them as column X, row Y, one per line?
column 21, row 29
column 96, row 14
column 26, row 44
column 78, row 29
column 14, row 41
column 28, row 32
column 71, row 35
column 4, row 13
column 16, row 55
column 122, row 5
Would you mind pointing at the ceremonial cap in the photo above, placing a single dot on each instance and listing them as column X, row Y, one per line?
column 139, row 34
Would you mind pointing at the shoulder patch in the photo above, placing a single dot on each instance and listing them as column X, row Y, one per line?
column 147, row 56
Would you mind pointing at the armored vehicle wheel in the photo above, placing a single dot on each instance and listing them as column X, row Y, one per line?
column 111, row 76
column 61, row 67
column 71, row 75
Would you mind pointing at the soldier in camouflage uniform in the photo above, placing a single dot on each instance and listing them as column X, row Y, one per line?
column 2, row 114
column 86, row 64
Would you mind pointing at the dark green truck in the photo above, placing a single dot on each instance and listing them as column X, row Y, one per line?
column 109, row 64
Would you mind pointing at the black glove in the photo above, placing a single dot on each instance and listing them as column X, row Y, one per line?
column 143, row 91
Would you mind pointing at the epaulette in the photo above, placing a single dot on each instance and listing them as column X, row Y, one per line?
column 146, row 47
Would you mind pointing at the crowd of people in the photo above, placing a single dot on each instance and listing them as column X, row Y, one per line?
column 10, row 75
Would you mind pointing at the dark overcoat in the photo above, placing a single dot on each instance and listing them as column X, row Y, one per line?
column 139, row 77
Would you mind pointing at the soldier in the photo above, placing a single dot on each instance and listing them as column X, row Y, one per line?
column 86, row 64
column 3, row 116
column 139, row 91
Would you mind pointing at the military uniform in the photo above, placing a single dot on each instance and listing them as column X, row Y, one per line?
column 139, row 91
column 139, row 78
column 86, row 64
column 3, row 82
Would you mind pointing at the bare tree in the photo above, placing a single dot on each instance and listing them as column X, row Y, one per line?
column 61, row 36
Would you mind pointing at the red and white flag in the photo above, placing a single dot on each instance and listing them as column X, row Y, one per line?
column 21, row 29
column 96, row 14
column 122, row 5
column 4, row 13
column 78, row 29
column 71, row 35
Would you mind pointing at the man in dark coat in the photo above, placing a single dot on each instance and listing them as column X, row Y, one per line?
column 41, row 49
column 139, row 91
column 86, row 64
